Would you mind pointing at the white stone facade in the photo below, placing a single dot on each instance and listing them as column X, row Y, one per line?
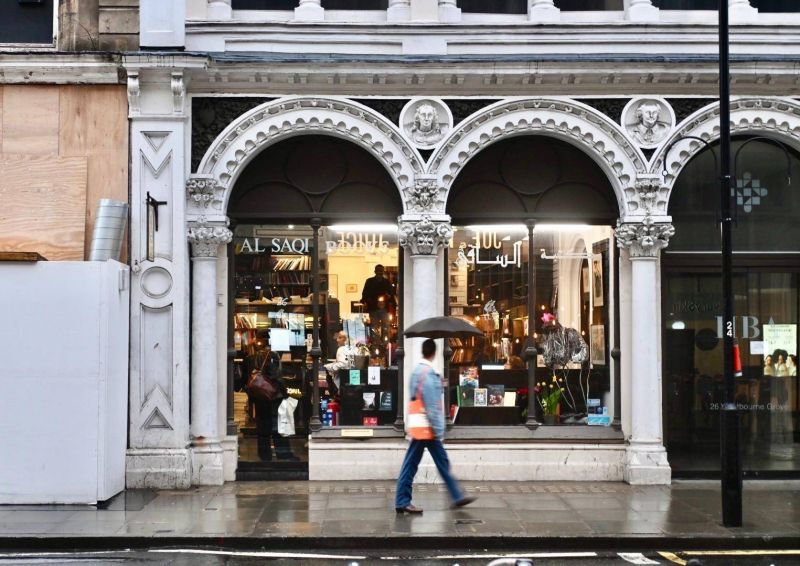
column 315, row 95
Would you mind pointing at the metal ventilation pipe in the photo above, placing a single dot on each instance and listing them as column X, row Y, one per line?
column 109, row 229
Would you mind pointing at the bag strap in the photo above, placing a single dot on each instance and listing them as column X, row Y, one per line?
column 418, row 394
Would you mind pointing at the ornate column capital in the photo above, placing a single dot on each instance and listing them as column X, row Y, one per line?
column 425, row 236
column 203, row 191
column 206, row 238
column 425, row 195
column 643, row 239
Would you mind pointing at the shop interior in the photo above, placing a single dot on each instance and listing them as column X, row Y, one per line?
column 273, row 312
column 573, row 291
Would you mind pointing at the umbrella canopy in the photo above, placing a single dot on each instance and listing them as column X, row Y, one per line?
column 442, row 327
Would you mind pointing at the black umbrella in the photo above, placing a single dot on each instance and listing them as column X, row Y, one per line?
column 442, row 327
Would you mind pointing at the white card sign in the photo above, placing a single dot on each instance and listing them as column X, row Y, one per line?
column 374, row 375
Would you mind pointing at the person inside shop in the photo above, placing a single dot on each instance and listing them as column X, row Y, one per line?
column 269, row 363
column 344, row 360
column 514, row 362
column 377, row 297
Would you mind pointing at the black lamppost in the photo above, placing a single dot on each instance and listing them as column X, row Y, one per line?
column 730, row 431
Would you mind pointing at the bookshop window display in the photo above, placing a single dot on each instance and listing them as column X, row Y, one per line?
column 488, row 274
column 358, row 317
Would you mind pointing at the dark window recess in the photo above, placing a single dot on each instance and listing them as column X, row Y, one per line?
column 211, row 115
column 26, row 22
column 532, row 177
column 327, row 4
column 264, row 4
column 589, row 5
column 766, row 206
column 686, row 4
column 494, row 6
column 776, row 5
column 355, row 4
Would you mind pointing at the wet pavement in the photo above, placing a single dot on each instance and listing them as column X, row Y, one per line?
column 361, row 514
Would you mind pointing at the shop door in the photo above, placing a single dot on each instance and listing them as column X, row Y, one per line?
column 767, row 313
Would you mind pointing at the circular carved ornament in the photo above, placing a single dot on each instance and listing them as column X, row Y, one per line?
column 426, row 121
column 156, row 282
column 648, row 120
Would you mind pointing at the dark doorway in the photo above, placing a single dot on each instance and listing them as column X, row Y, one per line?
column 277, row 199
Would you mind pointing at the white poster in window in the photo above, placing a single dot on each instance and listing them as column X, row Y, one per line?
column 597, row 346
column 374, row 375
column 597, row 281
column 780, row 339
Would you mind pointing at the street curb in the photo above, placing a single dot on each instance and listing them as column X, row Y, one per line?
column 401, row 542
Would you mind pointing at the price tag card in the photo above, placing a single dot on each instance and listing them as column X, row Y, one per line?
column 374, row 375
column 355, row 377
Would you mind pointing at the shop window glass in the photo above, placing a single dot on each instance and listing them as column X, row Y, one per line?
column 488, row 268
column 358, row 317
column 587, row 5
column 687, row 4
column 766, row 207
column 494, row 6
column 776, row 5
column 766, row 325
column 26, row 22
column 327, row 4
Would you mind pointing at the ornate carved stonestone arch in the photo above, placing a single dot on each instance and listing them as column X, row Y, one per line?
column 778, row 118
column 274, row 121
column 574, row 122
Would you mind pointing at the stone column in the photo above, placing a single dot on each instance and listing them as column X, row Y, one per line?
column 646, row 458
column 309, row 11
column 543, row 11
column 741, row 12
column 219, row 10
column 640, row 11
column 449, row 11
column 423, row 237
column 207, row 466
column 398, row 11
column 159, row 453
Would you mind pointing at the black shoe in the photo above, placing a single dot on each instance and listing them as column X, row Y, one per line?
column 466, row 500
column 410, row 509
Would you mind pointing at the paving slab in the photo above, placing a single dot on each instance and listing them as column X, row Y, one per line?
column 361, row 515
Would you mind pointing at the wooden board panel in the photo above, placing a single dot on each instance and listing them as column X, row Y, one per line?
column 107, row 178
column 1, row 118
column 73, row 121
column 30, row 119
column 108, row 118
column 106, row 135
column 44, row 205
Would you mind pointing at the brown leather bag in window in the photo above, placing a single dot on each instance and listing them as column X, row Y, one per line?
column 262, row 387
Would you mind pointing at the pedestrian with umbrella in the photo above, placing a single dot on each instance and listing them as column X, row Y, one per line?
column 426, row 420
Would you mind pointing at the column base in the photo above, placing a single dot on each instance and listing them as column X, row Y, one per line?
column 646, row 464
column 207, row 462
column 398, row 14
column 541, row 14
column 642, row 13
column 742, row 14
column 219, row 11
column 230, row 457
column 158, row 468
column 449, row 14
column 309, row 13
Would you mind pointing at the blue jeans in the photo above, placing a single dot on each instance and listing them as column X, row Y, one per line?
column 411, row 463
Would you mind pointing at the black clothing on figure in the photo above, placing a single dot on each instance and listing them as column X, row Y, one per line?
column 267, row 411
column 374, row 288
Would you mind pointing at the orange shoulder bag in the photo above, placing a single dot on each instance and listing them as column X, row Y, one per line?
column 417, row 423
